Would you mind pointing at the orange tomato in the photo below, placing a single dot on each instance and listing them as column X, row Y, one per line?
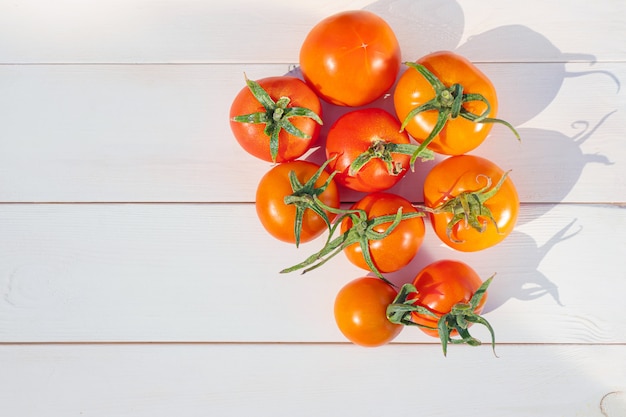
column 460, row 182
column 397, row 249
column 360, row 312
column 350, row 58
column 279, row 218
column 460, row 134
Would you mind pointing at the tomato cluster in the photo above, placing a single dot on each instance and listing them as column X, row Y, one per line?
column 444, row 106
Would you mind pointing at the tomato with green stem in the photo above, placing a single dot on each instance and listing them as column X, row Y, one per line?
column 444, row 300
column 360, row 312
column 472, row 203
column 368, row 150
column 295, row 201
column 446, row 103
column 393, row 251
column 350, row 58
column 276, row 119
column 381, row 233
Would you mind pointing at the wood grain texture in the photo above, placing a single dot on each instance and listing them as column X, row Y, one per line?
column 175, row 31
column 141, row 273
column 313, row 380
column 135, row 279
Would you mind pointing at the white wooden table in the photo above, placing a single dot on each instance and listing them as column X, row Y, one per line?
column 135, row 279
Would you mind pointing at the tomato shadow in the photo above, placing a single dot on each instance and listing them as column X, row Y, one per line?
column 515, row 263
column 519, row 261
column 528, row 90
column 549, row 163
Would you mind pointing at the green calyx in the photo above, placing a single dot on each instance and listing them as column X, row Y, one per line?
column 469, row 206
column 448, row 101
column 276, row 116
column 362, row 232
column 305, row 197
column 383, row 150
column 460, row 317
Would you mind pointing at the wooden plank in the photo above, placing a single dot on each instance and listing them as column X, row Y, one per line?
column 210, row 273
column 311, row 380
column 154, row 133
column 142, row 31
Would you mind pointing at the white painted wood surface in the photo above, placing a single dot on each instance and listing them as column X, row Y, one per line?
column 135, row 279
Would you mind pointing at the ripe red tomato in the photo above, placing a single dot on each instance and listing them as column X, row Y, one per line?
column 276, row 119
column 370, row 137
column 440, row 286
column 281, row 219
column 444, row 300
column 397, row 249
column 475, row 202
column 360, row 312
column 350, row 58
column 456, row 93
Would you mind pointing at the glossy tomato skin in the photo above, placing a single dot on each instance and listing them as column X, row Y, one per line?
column 277, row 217
column 350, row 58
column 397, row 249
column 440, row 286
column 459, row 135
column 251, row 136
column 354, row 133
column 360, row 312
column 461, row 173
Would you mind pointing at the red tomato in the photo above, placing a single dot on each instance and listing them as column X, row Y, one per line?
column 457, row 94
column 360, row 312
column 475, row 202
column 281, row 219
column 370, row 137
column 276, row 119
column 397, row 249
column 351, row 58
column 444, row 300
column 440, row 286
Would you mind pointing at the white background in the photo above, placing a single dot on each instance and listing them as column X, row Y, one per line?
column 136, row 280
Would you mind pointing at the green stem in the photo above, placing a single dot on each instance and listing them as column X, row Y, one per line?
column 306, row 197
column 383, row 150
column 469, row 206
column 362, row 232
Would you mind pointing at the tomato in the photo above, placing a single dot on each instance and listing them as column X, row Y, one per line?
column 297, row 222
column 350, row 58
column 399, row 247
column 444, row 300
column 369, row 137
column 475, row 203
column 456, row 93
column 440, row 286
column 381, row 233
column 360, row 312
column 276, row 119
